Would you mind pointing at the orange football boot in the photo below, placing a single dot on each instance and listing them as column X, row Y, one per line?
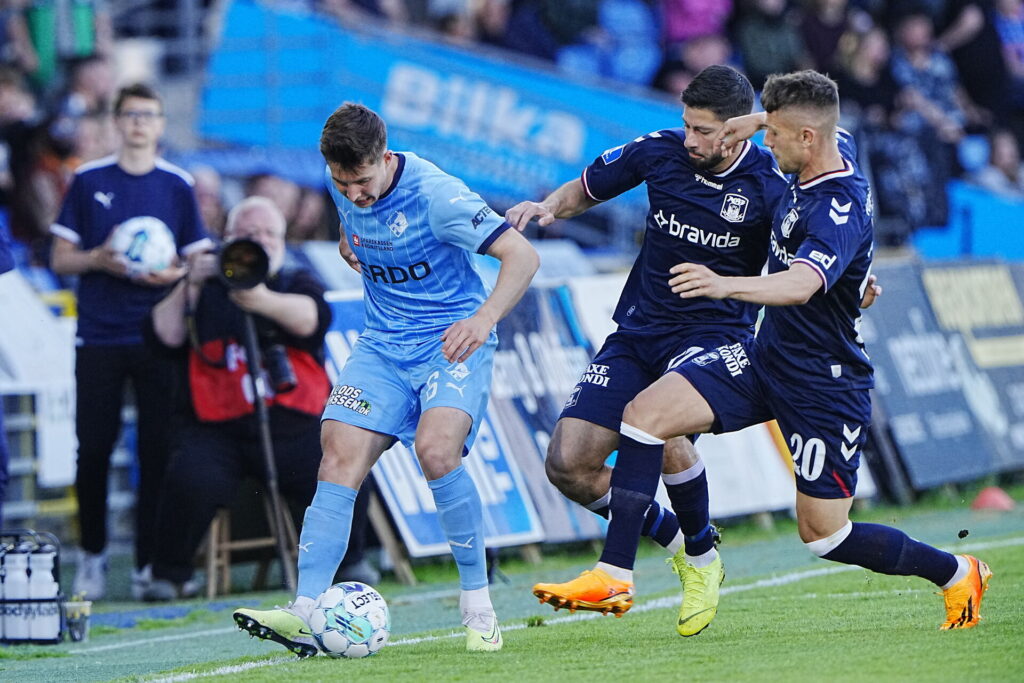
column 963, row 598
column 593, row 590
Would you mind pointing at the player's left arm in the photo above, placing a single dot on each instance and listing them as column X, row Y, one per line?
column 519, row 263
column 297, row 313
column 786, row 288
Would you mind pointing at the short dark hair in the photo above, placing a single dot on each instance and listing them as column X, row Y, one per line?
column 722, row 90
column 801, row 89
column 139, row 90
column 353, row 136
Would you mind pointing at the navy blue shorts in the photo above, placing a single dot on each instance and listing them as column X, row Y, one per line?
column 825, row 430
column 629, row 362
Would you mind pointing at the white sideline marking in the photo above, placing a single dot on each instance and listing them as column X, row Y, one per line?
column 657, row 603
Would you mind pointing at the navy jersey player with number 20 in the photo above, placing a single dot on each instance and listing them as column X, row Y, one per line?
column 807, row 367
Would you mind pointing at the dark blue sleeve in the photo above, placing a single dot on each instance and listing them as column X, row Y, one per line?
column 70, row 222
column 847, row 145
column 192, row 233
column 6, row 264
column 619, row 169
column 835, row 230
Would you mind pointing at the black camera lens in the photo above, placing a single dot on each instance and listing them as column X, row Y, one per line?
column 243, row 263
column 279, row 369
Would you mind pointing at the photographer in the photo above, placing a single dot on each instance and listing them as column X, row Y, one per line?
column 202, row 321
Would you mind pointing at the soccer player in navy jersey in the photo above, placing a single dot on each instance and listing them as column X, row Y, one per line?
column 135, row 184
column 705, row 207
column 421, row 370
column 807, row 367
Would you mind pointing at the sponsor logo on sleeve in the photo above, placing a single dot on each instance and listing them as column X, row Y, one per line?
column 824, row 259
column 612, row 155
column 480, row 216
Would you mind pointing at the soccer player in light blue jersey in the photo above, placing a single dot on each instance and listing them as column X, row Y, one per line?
column 420, row 371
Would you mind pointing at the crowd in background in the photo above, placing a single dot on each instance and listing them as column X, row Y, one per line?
column 933, row 89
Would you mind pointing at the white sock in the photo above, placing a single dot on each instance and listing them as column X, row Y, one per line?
column 704, row 559
column 602, row 502
column 618, row 573
column 476, row 600
column 676, row 544
column 303, row 606
column 962, row 567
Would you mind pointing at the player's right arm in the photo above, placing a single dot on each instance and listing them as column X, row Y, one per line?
column 67, row 258
column 566, row 202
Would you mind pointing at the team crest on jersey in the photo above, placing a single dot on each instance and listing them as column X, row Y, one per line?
column 789, row 221
column 734, row 208
column 611, row 155
column 397, row 222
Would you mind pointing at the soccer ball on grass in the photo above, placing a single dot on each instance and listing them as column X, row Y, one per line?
column 351, row 620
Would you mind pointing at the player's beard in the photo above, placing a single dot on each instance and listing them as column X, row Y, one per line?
column 707, row 163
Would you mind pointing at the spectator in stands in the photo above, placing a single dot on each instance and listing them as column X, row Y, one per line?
column 968, row 34
column 1009, row 22
column 16, row 47
column 769, row 41
column 354, row 11
column 17, row 111
column 209, row 194
column 311, row 218
column 1004, row 174
column 931, row 104
column 64, row 30
column 492, row 17
column 869, row 96
column 689, row 59
column 822, row 25
column 133, row 185
column 688, row 19
column 283, row 192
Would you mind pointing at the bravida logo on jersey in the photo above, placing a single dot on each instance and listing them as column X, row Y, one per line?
column 692, row 233
column 397, row 223
column 734, row 208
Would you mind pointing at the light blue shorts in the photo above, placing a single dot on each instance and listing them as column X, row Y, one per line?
column 385, row 387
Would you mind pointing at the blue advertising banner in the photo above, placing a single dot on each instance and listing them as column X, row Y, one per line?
column 510, row 517
column 511, row 131
column 980, row 304
column 920, row 375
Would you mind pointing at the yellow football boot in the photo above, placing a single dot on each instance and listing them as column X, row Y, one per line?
column 700, row 593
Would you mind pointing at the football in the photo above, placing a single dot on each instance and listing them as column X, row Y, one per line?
column 350, row 620
column 145, row 244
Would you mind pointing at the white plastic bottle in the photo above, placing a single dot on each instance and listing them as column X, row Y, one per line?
column 16, row 588
column 44, row 617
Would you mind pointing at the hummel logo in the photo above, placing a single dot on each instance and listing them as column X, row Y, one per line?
column 304, row 547
column 467, row 544
column 839, row 213
column 104, row 199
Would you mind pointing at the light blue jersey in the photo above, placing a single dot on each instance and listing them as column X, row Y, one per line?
column 414, row 245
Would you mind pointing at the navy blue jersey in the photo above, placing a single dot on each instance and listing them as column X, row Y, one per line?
column 102, row 195
column 721, row 220
column 825, row 223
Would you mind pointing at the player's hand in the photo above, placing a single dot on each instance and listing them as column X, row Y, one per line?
column 463, row 337
column 520, row 215
column 871, row 292
column 736, row 130
column 107, row 260
column 347, row 255
column 162, row 278
column 693, row 280
column 250, row 300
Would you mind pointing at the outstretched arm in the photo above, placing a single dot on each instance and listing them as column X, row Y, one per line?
column 519, row 262
column 786, row 288
column 737, row 129
column 567, row 201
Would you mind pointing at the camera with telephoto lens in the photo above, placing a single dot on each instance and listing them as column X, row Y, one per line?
column 242, row 264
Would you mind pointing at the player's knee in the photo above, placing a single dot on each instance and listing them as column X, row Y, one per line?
column 813, row 528
column 436, row 459
column 637, row 415
column 555, row 466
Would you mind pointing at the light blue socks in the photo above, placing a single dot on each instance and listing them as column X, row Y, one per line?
column 324, row 538
column 461, row 514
